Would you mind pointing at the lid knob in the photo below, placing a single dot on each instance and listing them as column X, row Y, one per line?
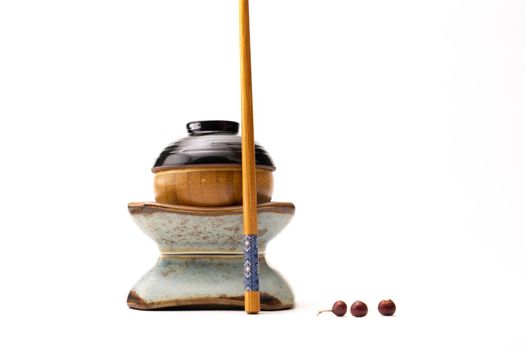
column 206, row 127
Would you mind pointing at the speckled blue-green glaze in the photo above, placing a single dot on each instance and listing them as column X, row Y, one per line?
column 181, row 232
column 203, row 256
column 212, row 281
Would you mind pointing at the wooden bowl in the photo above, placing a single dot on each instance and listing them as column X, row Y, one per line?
column 211, row 186
column 204, row 168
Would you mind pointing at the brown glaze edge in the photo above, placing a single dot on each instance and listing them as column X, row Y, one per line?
column 198, row 167
column 268, row 303
column 145, row 208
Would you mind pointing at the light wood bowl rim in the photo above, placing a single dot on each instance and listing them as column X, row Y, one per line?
column 206, row 167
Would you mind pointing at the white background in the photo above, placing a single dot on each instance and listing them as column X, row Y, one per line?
column 397, row 128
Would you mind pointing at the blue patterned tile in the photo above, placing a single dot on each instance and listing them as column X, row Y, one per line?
column 251, row 263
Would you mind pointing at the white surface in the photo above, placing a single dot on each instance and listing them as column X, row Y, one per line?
column 396, row 126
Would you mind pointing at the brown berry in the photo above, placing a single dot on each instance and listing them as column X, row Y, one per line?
column 339, row 309
column 358, row 309
column 386, row 307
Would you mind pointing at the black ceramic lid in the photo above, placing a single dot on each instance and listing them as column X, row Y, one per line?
column 210, row 142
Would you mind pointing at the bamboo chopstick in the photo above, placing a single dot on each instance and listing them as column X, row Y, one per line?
column 252, row 303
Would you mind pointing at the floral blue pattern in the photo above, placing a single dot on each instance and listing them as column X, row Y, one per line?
column 251, row 263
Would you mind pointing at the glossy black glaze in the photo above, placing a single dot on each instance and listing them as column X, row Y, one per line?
column 206, row 127
column 211, row 142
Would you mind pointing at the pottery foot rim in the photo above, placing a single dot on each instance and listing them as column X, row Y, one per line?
column 268, row 303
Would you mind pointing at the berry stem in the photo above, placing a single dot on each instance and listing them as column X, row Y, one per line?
column 321, row 311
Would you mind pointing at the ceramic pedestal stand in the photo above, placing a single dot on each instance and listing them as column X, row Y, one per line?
column 201, row 262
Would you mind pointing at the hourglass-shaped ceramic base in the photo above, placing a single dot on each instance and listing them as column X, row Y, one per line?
column 201, row 262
